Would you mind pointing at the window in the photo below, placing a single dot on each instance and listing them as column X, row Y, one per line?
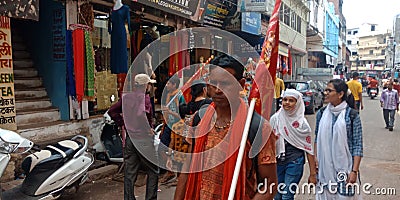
column 299, row 24
column 355, row 32
column 371, row 52
column 349, row 32
column 349, row 42
column 281, row 12
column 286, row 18
column 353, row 53
column 383, row 52
column 372, row 27
column 357, row 42
column 293, row 20
column 384, row 40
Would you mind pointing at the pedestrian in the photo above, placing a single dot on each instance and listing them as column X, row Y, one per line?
column 138, row 149
column 294, row 138
column 178, row 144
column 210, row 170
column 338, row 144
column 171, row 116
column 279, row 87
column 356, row 89
column 390, row 104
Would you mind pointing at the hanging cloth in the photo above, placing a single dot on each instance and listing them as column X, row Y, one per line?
column 139, row 39
column 89, row 68
column 134, row 51
column 70, row 65
column 79, row 62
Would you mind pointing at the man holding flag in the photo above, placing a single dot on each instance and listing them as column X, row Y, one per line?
column 216, row 170
column 217, row 139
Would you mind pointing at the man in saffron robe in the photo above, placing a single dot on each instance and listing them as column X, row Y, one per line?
column 216, row 142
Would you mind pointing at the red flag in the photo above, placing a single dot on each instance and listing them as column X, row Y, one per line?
column 263, row 85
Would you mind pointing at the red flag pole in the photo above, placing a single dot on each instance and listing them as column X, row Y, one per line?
column 267, row 63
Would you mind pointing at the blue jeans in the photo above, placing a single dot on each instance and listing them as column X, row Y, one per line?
column 289, row 174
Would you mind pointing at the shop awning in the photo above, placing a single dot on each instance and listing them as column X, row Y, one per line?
column 283, row 50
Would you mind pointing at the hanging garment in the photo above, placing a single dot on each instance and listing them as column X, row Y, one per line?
column 79, row 62
column 89, row 68
column 119, row 53
column 70, row 65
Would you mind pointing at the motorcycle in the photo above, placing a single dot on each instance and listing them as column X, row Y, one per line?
column 373, row 92
column 49, row 171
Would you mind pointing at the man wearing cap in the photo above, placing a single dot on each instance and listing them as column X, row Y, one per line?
column 356, row 89
column 136, row 111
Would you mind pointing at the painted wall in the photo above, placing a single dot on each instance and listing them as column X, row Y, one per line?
column 47, row 37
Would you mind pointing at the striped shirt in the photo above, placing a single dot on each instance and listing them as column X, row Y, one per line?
column 390, row 99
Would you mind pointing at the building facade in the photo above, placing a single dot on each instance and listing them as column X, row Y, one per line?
column 372, row 50
column 293, row 33
column 322, row 35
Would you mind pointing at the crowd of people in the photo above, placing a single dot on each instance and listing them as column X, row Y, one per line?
column 202, row 159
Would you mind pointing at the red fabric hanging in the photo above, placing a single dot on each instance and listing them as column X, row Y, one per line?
column 78, row 39
column 172, row 57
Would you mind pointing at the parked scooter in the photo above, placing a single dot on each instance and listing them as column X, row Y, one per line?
column 373, row 92
column 48, row 171
column 110, row 144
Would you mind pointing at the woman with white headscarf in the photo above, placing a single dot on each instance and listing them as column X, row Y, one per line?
column 294, row 138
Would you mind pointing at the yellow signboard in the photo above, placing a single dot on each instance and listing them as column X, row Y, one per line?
column 7, row 100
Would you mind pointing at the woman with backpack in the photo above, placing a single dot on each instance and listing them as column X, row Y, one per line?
column 338, row 144
column 294, row 138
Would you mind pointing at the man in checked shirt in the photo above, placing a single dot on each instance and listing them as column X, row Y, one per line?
column 390, row 104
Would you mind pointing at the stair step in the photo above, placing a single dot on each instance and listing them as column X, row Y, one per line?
column 39, row 125
column 24, row 63
column 27, row 82
column 25, row 72
column 34, row 116
column 27, row 93
column 17, row 55
column 32, row 103
column 19, row 46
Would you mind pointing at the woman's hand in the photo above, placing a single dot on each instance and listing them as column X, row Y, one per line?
column 312, row 178
column 352, row 177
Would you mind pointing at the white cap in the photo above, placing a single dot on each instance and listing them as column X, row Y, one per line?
column 143, row 79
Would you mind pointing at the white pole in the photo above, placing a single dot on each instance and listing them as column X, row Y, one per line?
column 241, row 149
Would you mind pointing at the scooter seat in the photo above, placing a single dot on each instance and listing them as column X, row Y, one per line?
column 59, row 152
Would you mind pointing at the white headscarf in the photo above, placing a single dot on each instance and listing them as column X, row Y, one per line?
column 292, row 126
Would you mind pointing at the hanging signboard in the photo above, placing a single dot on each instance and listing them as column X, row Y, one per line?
column 183, row 8
column 251, row 22
column 7, row 101
column 257, row 5
column 219, row 12
column 25, row 9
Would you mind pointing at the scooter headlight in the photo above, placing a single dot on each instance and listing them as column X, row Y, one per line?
column 7, row 147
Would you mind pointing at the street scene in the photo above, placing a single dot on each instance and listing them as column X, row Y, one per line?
column 379, row 167
column 199, row 99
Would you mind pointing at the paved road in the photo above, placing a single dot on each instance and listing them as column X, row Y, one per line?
column 380, row 166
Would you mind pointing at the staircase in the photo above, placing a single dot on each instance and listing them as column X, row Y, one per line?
column 36, row 118
column 33, row 106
